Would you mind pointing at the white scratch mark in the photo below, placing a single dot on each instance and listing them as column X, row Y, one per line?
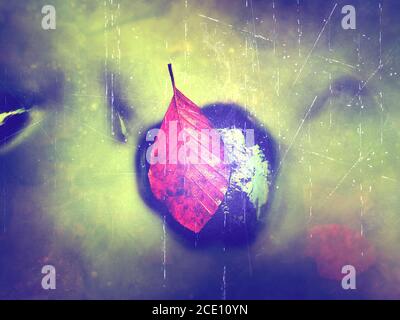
column 315, row 43
column 365, row 83
column 336, row 61
column 297, row 132
column 258, row 36
column 389, row 178
column 355, row 164
column 224, row 284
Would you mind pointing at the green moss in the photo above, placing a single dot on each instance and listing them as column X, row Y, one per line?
column 249, row 167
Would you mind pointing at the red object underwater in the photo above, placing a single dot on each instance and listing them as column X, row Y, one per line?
column 191, row 190
column 334, row 246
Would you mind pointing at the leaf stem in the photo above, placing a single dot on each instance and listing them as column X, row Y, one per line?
column 171, row 74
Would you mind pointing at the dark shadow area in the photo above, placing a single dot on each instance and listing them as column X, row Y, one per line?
column 19, row 101
column 13, row 97
column 120, row 113
column 346, row 87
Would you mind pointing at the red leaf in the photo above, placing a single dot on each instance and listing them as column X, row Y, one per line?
column 191, row 190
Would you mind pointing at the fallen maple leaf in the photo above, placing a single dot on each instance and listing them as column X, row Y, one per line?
column 192, row 191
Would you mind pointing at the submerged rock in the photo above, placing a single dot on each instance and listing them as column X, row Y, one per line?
column 252, row 157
